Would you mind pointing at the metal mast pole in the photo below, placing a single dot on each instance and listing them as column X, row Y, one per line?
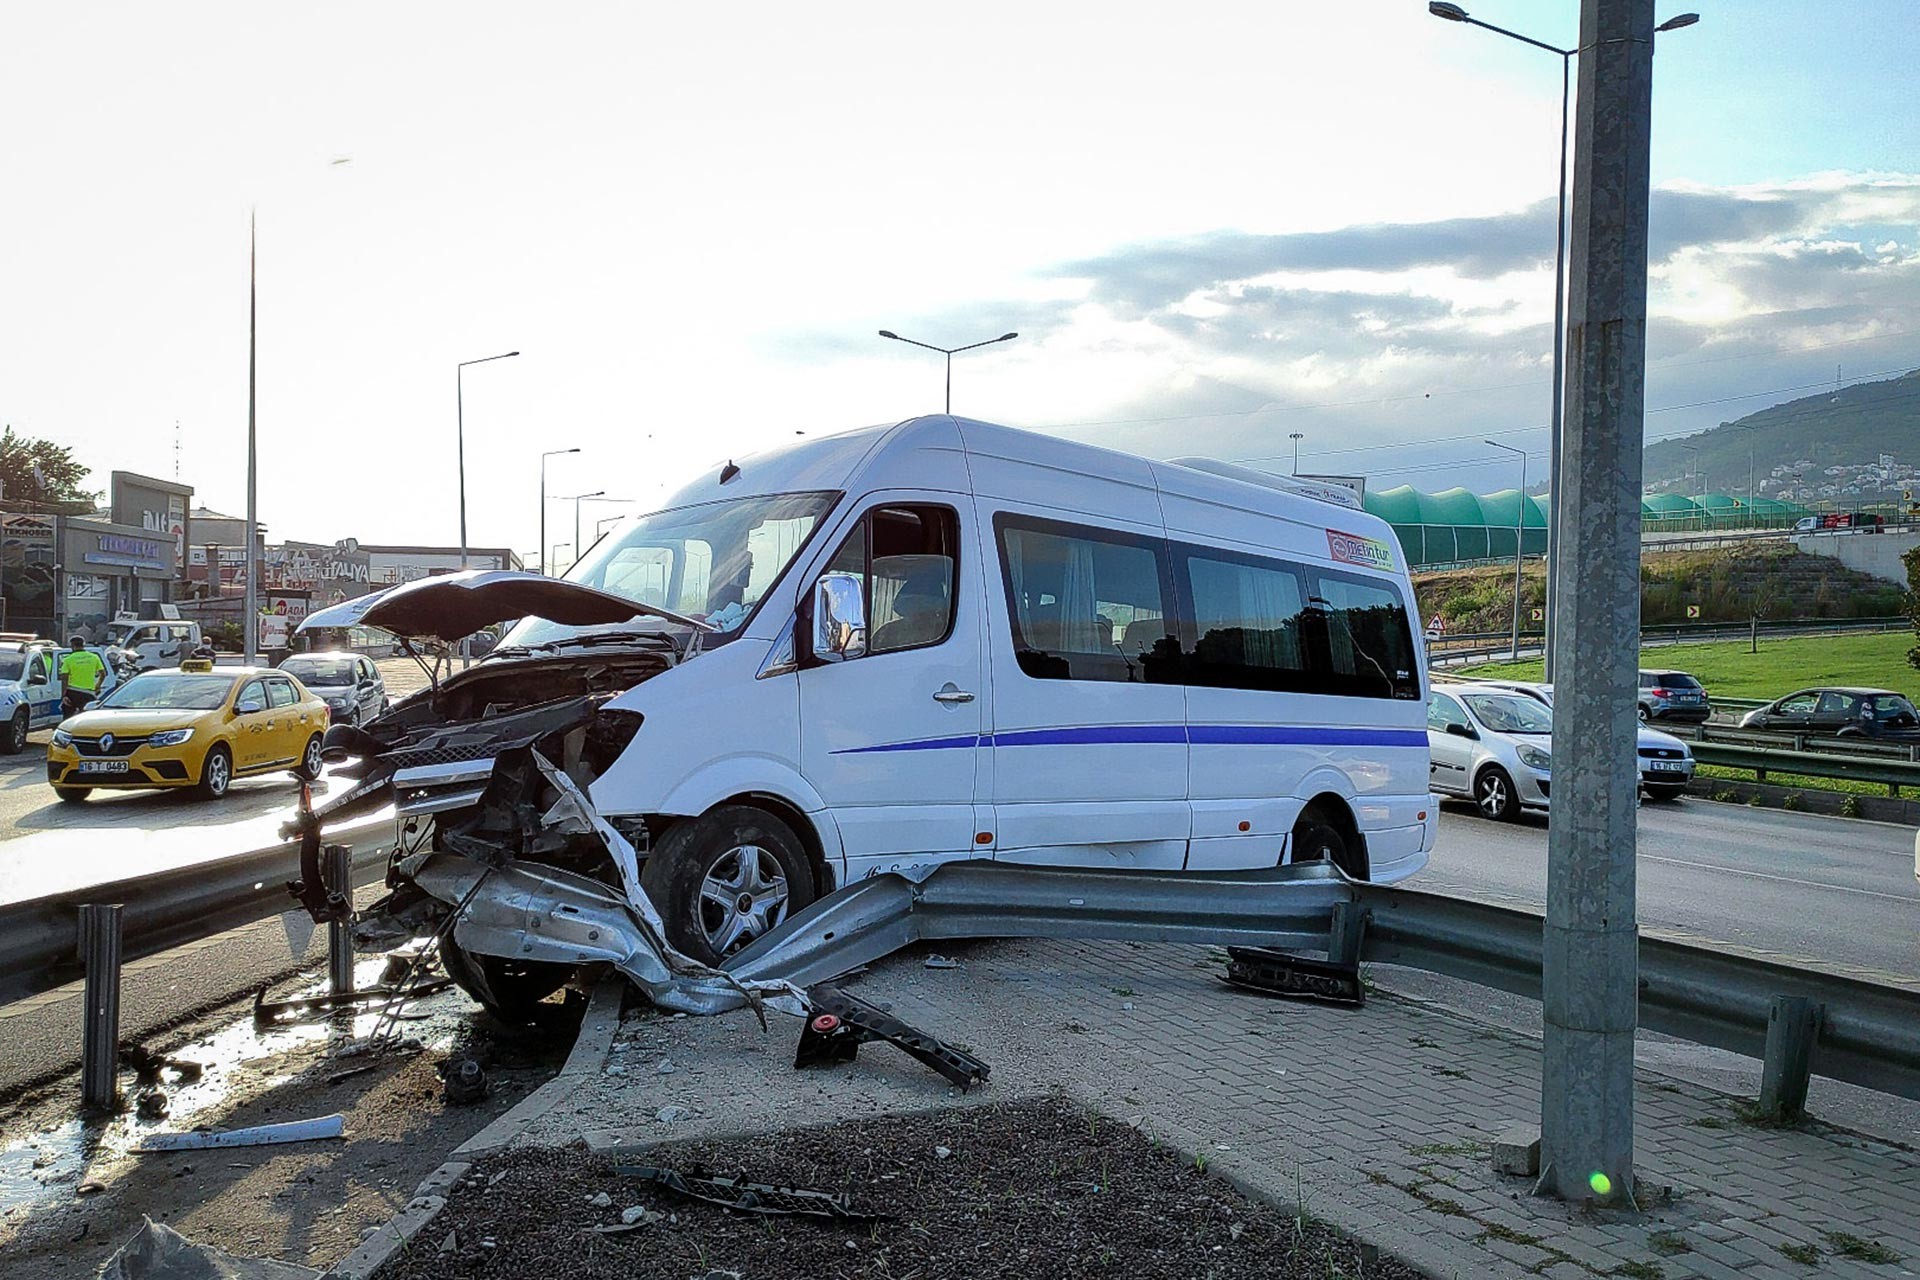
column 460, row 433
column 1590, row 939
column 250, row 600
column 1559, row 354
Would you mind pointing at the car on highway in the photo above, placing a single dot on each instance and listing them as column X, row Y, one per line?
column 192, row 726
column 1674, row 696
column 348, row 682
column 1493, row 746
column 1843, row 711
column 1664, row 762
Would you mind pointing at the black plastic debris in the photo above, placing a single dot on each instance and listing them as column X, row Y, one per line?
column 150, row 1068
column 466, row 1080
column 151, row 1104
column 751, row 1197
column 1283, row 973
column 838, row 1024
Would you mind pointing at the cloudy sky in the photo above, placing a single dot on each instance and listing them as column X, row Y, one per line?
column 1212, row 226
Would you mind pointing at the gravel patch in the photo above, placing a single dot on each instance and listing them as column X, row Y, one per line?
column 1041, row 1187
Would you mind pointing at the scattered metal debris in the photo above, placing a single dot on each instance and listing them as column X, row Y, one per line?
column 751, row 1197
column 158, row 1252
column 261, row 1135
column 1283, row 973
column 937, row 961
column 466, row 1080
column 272, row 1013
column 337, row 1076
column 839, row 1024
column 151, row 1104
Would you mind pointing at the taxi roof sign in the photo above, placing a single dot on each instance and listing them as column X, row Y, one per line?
column 196, row 664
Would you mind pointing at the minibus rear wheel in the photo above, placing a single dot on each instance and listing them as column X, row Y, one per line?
column 726, row 878
column 1317, row 837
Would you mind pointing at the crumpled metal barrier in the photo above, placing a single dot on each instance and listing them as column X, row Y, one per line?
column 530, row 912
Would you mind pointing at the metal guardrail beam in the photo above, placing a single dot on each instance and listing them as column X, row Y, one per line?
column 40, row 944
column 1812, row 764
column 1869, row 1034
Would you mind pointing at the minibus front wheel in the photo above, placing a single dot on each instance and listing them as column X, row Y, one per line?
column 721, row 880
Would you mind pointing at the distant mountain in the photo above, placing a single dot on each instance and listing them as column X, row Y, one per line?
column 1849, row 429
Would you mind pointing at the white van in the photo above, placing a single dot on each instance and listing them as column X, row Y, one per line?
column 906, row 645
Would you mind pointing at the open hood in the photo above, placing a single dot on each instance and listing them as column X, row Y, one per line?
column 452, row 605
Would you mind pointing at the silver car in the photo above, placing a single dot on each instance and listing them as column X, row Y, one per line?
column 1494, row 747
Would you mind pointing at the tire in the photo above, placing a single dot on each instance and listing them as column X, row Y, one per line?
column 702, row 870
column 14, row 740
column 1645, row 715
column 1493, row 795
column 1665, row 794
column 1316, row 839
column 216, row 773
column 308, row 770
column 507, row 989
column 72, row 795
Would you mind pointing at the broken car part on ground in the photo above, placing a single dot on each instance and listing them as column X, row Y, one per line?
column 502, row 856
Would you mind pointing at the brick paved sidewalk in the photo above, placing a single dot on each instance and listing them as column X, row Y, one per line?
column 1377, row 1120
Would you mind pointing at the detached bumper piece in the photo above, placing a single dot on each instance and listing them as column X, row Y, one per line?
column 1283, row 973
column 838, row 1024
column 751, row 1197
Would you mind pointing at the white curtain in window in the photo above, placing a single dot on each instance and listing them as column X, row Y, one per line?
column 1080, row 625
column 1268, row 602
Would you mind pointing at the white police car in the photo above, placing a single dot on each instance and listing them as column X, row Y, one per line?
column 29, row 688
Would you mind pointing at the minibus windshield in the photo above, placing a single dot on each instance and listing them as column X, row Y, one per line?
column 712, row 562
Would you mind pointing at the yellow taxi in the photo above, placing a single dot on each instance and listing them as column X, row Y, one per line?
column 195, row 725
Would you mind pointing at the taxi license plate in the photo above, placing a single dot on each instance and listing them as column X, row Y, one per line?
column 1668, row 766
column 103, row 766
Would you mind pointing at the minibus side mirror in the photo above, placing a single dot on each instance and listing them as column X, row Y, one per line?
column 1461, row 730
column 839, row 618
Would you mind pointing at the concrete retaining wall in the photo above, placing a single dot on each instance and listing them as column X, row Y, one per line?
column 1875, row 553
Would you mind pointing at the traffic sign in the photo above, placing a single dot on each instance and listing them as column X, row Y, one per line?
column 1537, row 614
column 1693, row 611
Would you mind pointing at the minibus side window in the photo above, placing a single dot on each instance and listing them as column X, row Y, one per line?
column 907, row 559
column 1087, row 604
column 1247, row 623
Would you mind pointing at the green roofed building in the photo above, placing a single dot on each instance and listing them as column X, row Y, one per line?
column 1455, row 526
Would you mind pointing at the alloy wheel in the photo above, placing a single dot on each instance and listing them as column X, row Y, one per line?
column 742, row 898
column 1493, row 795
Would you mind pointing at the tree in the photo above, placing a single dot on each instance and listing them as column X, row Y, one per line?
column 1912, row 560
column 59, row 478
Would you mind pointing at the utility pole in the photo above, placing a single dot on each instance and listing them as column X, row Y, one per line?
column 1590, row 940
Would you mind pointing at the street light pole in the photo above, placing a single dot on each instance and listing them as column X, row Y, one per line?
column 1519, row 533
column 460, row 426
column 1296, row 437
column 1590, row 936
column 576, row 499
column 250, row 603
column 949, row 353
column 1557, row 425
column 1690, row 465
column 546, row 570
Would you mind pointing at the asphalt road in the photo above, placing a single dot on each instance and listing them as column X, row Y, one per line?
column 1830, row 893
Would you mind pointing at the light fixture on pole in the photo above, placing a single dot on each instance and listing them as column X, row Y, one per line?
column 589, row 497
column 546, row 568
column 1296, row 437
column 949, row 353
column 1454, row 13
column 1519, row 539
column 460, row 427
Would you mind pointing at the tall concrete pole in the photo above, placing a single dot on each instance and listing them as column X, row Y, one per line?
column 1590, row 943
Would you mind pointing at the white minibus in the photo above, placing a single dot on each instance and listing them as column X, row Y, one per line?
column 942, row 639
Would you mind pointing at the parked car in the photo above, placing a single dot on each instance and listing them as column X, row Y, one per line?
column 194, row 726
column 145, row 645
column 784, row 681
column 1845, row 712
column 1665, row 763
column 29, row 688
column 349, row 683
column 1674, row 696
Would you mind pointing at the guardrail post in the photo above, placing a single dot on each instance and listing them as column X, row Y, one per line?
column 336, row 872
column 100, row 1016
column 1344, row 936
column 1793, row 1025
